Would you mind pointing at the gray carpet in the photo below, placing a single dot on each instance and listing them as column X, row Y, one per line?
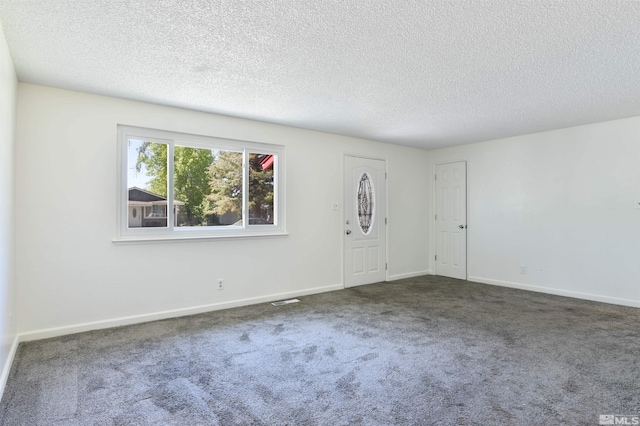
column 427, row 350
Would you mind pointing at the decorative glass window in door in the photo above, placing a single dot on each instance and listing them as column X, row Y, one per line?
column 366, row 195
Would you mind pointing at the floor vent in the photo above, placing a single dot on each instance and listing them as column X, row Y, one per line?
column 285, row 302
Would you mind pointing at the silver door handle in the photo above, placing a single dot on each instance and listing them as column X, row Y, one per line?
column 348, row 231
column 461, row 226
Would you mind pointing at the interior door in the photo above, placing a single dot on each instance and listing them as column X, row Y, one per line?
column 451, row 220
column 365, row 233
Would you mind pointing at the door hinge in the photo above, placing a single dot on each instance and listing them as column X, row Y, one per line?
column 436, row 256
column 435, row 177
column 385, row 175
column 385, row 220
column 436, row 217
column 386, row 266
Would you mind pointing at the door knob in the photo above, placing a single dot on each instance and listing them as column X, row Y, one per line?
column 348, row 231
column 461, row 226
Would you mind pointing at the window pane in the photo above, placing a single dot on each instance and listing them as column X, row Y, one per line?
column 224, row 201
column 147, row 184
column 366, row 203
column 261, row 195
column 191, row 183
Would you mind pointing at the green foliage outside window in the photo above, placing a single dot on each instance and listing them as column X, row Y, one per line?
column 209, row 183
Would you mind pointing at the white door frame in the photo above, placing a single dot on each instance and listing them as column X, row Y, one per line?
column 386, row 213
column 434, row 239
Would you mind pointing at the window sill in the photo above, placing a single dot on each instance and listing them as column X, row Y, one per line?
column 187, row 238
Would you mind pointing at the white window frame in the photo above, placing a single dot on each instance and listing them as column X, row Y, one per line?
column 171, row 232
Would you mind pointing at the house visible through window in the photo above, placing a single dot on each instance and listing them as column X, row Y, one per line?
column 153, row 206
column 200, row 185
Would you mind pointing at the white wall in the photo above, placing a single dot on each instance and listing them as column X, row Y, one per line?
column 8, row 89
column 69, row 272
column 563, row 204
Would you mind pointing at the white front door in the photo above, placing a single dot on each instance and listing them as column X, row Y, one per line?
column 365, row 233
column 451, row 220
column 135, row 216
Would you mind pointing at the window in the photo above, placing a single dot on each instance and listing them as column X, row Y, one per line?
column 366, row 203
column 175, row 186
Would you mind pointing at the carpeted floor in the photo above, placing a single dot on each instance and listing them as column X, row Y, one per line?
column 427, row 350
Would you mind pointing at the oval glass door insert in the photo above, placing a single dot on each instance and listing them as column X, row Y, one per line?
column 366, row 203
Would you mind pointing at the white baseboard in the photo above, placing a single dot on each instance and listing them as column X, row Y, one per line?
column 8, row 363
column 174, row 313
column 559, row 292
column 409, row 275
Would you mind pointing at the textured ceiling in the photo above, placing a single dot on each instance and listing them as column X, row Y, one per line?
column 427, row 73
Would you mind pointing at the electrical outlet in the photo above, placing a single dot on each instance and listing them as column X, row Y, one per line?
column 523, row 269
column 220, row 283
